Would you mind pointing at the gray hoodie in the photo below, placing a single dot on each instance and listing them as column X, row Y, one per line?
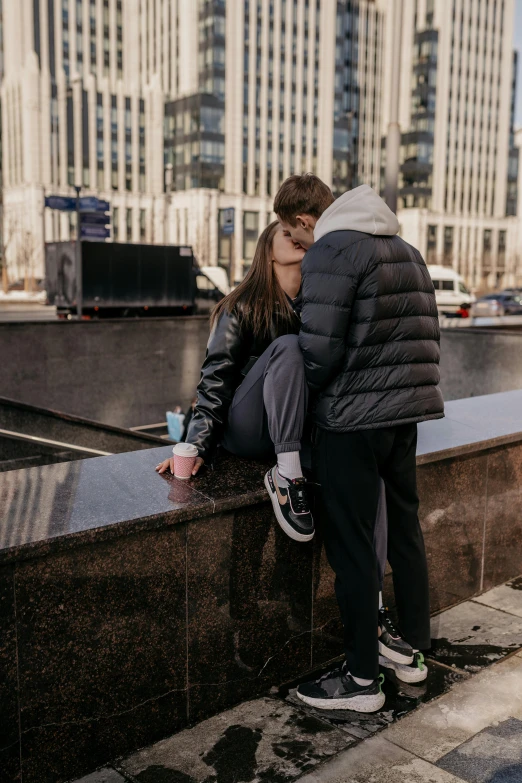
column 360, row 209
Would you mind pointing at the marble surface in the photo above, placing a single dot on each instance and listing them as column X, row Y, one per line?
column 472, row 636
column 249, row 608
column 103, row 776
column 452, row 509
column 494, row 754
column 492, row 696
column 102, row 658
column 378, row 761
column 51, row 505
column 503, row 521
column 9, row 725
column 58, row 505
column 259, row 741
column 469, row 424
column 507, row 598
column 45, row 423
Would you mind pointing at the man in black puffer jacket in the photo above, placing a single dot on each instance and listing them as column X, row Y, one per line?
column 370, row 339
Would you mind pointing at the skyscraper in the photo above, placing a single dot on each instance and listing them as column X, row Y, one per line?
column 176, row 110
column 284, row 86
column 458, row 160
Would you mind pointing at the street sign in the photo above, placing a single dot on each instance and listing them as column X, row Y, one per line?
column 228, row 221
column 94, row 219
column 94, row 232
column 93, row 204
column 64, row 203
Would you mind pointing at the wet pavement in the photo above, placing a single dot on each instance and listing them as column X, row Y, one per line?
column 463, row 724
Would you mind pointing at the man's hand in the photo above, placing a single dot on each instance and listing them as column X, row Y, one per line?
column 168, row 464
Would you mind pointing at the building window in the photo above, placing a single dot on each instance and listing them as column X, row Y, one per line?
column 129, row 225
column 143, row 217
column 250, row 235
column 115, row 223
column 70, row 140
column 432, row 244
column 224, row 244
column 448, row 245
column 99, row 140
column 85, row 139
column 502, row 246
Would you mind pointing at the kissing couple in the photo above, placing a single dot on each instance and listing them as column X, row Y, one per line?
column 336, row 322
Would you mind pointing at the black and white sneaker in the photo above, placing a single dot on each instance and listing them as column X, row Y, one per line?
column 410, row 673
column 337, row 690
column 391, row 644
column 290, row 501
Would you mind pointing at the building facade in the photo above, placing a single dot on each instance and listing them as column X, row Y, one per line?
column 175, row 111
column 458, row 158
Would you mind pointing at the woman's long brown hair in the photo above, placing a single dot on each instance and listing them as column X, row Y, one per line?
column 260, row 293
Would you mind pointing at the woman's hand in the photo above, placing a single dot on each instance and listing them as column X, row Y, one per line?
column 168, row 464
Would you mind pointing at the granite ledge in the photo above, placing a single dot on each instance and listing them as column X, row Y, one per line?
column 58, row 506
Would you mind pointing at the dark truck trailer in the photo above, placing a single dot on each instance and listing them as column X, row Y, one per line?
column 121, row 280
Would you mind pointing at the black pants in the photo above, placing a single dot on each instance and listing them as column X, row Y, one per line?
column 349, row 467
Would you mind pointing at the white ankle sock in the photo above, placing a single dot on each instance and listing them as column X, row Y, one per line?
column 381, row 605
column 289, row 465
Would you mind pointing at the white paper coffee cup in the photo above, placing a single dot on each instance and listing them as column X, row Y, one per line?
column 184, row 460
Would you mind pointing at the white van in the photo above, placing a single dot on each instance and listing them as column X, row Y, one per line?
column 450, row 290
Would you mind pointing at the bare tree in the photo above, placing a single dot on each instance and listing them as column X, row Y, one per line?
column 8, row 231
column 27, row 251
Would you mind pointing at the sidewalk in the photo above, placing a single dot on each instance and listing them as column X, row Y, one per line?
column 463, row 724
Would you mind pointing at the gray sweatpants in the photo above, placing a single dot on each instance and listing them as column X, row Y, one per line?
column 268, row 411
column 267, row 417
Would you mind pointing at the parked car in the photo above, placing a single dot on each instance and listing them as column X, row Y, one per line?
column 504, row 303
column 453, row 298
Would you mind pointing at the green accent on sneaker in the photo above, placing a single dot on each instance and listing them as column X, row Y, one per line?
column 419, row 660
column 380, row 680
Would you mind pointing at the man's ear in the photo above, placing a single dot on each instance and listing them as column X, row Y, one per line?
column 306, row 222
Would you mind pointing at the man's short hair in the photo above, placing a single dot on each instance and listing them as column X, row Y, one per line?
column 302, row 194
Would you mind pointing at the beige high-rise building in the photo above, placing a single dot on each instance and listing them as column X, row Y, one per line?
column 458, row 159
column 175, row 110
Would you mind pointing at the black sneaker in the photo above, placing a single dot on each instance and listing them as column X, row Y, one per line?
column 337, row 690
column 391, row 644
column 290, row 503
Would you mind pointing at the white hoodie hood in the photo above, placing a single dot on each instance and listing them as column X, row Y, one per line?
column 360, row 209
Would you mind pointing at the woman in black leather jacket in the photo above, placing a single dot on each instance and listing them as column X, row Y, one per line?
column 252, row 396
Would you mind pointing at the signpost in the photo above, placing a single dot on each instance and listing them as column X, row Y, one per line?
column 229, row 216
column 94, row 232
column 63, row 203
column 93, row 204
column 92, row 222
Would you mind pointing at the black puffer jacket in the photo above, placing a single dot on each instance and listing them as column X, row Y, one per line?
column 232, row 350
column 370, row 329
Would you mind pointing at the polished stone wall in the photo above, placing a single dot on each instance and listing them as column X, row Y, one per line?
column 122, row 372
column 129, row 372
column 128, row 616
column 477, row 361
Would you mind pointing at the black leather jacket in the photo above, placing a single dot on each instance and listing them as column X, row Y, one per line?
column 232, row 350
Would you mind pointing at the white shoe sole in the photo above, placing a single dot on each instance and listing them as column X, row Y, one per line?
column 355, row 703
column 413, row 676
column 394, row 656
column 283, row 524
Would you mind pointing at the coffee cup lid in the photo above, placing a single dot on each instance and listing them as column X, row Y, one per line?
column 185, row 450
